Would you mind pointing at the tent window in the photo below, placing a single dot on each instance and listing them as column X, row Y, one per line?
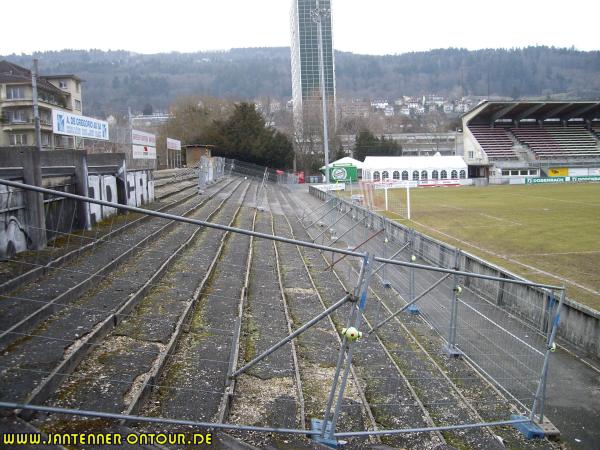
column 376, row 176
column 463, row 174
column 444, row 174
column 416, row 175
column 434, row 175
column 385, row 175
column 424, row 175
column 454, row 175
column 396, row 175
column 405, row 174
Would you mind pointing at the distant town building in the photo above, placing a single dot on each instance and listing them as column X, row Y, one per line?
column 59, row 92
column 355, row 108
column 379, row 104
column 150, row 122
column 306, row 88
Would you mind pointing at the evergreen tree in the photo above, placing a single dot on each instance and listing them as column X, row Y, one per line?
column 245, row 136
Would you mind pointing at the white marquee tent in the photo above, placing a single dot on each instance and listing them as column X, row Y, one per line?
column 435, row 168
column 347, row 160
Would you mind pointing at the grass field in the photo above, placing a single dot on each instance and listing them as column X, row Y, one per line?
column 546, row 233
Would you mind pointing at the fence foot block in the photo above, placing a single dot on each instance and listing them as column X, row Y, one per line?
column 317, row 425
column 451, row 351
column 386, row 284
column 529, row 429
column 413, row 309
column 549, row 429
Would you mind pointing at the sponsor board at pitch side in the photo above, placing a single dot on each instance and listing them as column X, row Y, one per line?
column 557, row 180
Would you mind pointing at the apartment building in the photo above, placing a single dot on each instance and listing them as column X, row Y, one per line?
column 60, row 92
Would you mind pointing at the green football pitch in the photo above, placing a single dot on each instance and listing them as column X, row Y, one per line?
column 545, row 233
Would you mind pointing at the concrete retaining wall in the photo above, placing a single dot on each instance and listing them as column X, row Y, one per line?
column 579, row 324
column 28, row 220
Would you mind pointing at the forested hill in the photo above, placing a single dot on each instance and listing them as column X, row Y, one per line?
column 118, row 79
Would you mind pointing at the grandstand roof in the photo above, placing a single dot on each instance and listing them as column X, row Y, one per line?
column 490, row 111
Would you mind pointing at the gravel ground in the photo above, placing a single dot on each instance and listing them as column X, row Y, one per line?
column 27, row 361
column 57, row 281
column 193, row 382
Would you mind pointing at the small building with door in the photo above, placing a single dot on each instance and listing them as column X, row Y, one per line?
column 193, row 153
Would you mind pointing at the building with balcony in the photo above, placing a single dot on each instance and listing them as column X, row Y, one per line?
column 17, row 128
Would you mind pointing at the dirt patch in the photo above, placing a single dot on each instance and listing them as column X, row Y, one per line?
column 254, row 397
column 300, row 291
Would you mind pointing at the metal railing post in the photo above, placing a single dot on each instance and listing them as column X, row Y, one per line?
column 384, row 280
column 411, row 282
column 348, row 345
column 315, row 221
column 540, row 394
column 450, row 347
column 287, row 339
column 301, row 220
column 344, row 346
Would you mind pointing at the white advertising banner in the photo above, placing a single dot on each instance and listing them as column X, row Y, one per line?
column 173, row 144
column 143, row 138
column 143, row 152
column 80, row 126
column 143, row 145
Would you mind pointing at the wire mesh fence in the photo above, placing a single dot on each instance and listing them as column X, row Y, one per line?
column 501, row 327
column 144, row 315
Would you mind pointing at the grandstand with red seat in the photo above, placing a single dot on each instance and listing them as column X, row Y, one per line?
column 503, row 135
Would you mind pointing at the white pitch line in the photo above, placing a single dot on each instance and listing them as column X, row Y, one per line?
column 558, row 253
column 557, row 200
column 500, row 219
column 498, row 255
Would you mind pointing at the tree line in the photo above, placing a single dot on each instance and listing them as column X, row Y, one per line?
column 236, row 130
column 116, row 80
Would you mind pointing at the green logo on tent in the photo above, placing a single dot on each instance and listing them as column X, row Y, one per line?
column 339, row 174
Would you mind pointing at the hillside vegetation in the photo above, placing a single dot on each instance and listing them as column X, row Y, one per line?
column 116, row 80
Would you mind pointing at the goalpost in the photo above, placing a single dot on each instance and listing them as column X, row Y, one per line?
column 391, row 197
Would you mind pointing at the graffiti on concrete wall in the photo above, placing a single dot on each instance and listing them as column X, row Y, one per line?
column 13, row 234
column 102, row 187
column 95, row 193
column 140, row 188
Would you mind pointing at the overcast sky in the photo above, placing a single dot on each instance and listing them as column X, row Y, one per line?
column 360, row 26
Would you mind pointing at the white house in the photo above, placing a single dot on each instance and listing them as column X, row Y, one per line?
column 426, row 170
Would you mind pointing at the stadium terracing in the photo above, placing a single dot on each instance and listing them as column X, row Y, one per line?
column 512, row 134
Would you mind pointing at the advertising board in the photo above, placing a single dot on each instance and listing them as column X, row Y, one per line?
column 79, row 126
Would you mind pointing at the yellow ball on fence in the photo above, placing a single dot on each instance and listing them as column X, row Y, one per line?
column 351, row 333
column 413, row 258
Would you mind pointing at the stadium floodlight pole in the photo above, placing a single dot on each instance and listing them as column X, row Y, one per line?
column 318, row 14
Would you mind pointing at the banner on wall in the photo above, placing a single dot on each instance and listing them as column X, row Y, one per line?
column 143, row 145
column 173, row 144
column 80, row 126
